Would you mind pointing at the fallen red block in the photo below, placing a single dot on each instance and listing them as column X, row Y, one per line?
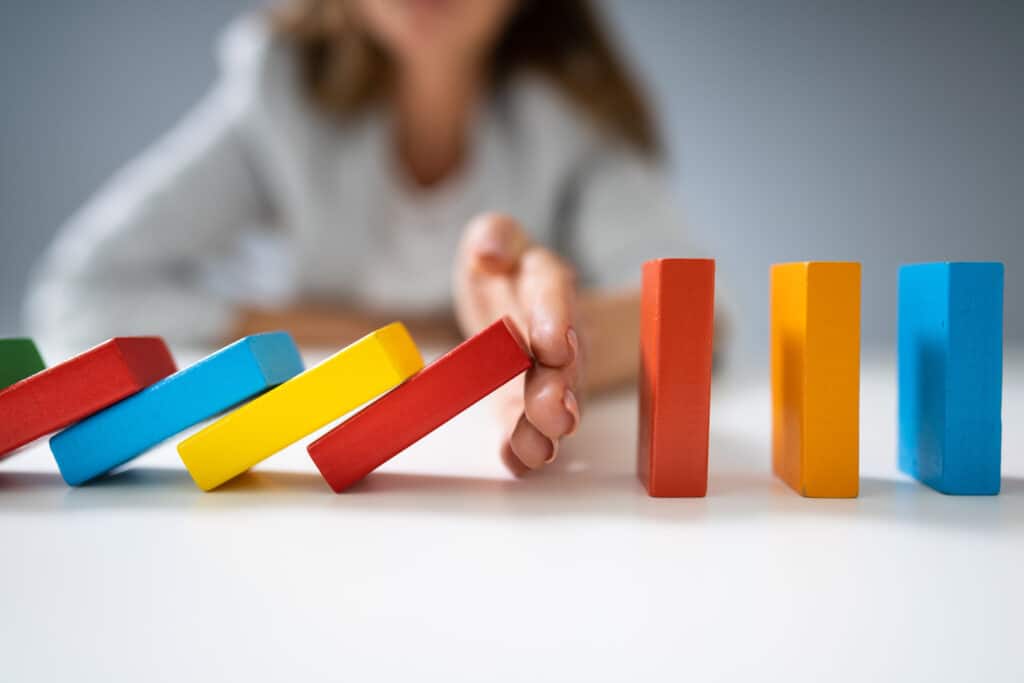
column 677, row 321
column 77, row 388
column 423, row 403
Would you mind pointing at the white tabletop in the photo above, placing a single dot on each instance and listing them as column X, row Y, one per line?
column 440, row 566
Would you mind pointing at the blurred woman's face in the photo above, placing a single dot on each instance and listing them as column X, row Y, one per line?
column 437, row 32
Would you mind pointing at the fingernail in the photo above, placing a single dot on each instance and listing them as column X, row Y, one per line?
column 493, row 249
column 574, row 343
column 554, row 453
column 573, row 406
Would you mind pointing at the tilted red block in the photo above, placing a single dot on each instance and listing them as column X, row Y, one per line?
column 423, row 403
column 77, row 388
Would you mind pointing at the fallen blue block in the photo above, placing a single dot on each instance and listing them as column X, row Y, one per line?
column 951, row 375
column 220, row 381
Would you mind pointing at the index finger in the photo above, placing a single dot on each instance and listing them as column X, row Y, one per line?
column 547, row 292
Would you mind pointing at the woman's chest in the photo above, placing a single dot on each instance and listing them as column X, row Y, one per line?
column 361, row 232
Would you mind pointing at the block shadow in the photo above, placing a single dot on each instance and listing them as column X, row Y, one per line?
column 567, row 492
column 594, row 478
column 18, row 482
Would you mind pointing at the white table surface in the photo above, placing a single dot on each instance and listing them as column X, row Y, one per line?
column 440, row 566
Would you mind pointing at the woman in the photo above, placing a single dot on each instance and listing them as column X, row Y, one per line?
column 356, row 138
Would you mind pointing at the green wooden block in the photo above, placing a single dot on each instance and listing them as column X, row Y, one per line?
column 19, row 358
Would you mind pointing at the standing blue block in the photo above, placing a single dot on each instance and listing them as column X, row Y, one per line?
column 114, row 436
column 951, row 375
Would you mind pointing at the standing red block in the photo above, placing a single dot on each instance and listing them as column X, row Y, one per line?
column 677, row 321
column 423, row 403
column 77, row 388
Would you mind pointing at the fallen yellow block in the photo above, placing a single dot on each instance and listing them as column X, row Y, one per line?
column 358, row 373
column 815, row 347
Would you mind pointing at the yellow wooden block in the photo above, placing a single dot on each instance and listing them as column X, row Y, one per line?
column 353, row 376
column 815, row 311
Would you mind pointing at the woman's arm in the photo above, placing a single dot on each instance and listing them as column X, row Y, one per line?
column 333, row 326
column 582, row 342
column 500, row 272
column 611, row 332
column 609, row 323
column 581, row 313
column 622, row 215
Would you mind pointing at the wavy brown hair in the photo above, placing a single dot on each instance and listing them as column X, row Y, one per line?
column 564, row 41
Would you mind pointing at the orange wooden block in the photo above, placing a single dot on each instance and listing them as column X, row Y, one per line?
column 815, row 347
column 677, row 320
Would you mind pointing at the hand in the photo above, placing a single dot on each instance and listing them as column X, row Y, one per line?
column 499, row 272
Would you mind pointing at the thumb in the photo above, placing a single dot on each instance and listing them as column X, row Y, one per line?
column 494, row 243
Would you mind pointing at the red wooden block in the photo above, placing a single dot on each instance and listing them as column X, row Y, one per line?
column 423, row 403
column 77, row 388
column 677, row 320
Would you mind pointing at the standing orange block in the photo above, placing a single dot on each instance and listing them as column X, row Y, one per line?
column 677, row 320
column 816, row 377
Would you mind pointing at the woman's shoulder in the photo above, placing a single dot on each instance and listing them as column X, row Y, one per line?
column 260, row 71
column 250, row 55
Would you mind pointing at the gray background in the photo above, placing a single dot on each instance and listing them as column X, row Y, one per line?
column 876, row 131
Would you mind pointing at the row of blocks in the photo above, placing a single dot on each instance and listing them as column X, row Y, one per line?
column 121, row 398
column 950, row 353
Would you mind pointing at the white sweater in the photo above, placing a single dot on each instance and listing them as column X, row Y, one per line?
column 258, row 197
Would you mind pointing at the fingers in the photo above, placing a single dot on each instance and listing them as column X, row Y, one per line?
column 488, row 258
column 494, row 243
column 550, row 404
column 509, row 404
column 501, row 273
column 525, row 447
column 542, row 411
column 531, row 448
column 547, row 292
column 539, row 292
column 512, row 462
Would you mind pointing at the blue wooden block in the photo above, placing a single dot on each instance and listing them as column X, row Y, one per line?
column 951, row 375
column 114, row 436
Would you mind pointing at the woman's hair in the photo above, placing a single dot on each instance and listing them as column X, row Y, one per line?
column 561, row 40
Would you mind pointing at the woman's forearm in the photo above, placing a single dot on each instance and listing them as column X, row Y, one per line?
column 610, row 328
column 328, row 326
column 610, row 324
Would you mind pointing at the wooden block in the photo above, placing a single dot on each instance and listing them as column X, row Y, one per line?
column 356, row 374
column 441, row 391
column 815, row 359
column 951, row 375
column 19, row 358
column 114, row 436
column 677, row 319
column 77, row 388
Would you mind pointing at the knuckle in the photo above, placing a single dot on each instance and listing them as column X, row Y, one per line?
column 546, row 261
column 494, row 223
column 488, row 229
